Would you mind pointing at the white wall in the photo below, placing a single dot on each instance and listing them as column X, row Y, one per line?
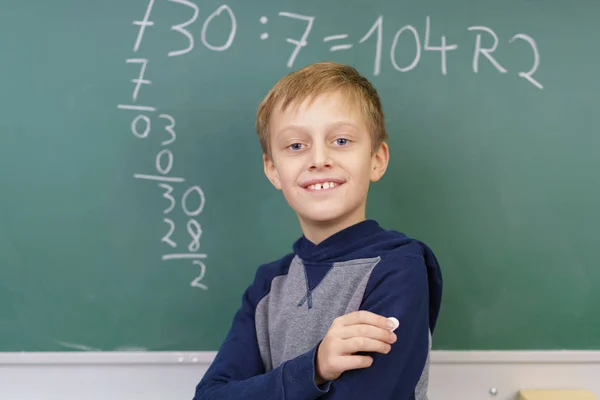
column 173, row 376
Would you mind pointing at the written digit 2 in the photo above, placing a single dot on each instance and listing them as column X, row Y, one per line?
column 196, row 282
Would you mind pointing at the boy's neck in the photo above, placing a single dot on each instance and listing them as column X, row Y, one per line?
column 316, row 231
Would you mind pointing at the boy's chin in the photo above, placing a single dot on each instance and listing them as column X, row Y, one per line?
column 323, row 218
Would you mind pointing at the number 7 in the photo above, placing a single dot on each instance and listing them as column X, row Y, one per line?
column 302, row 42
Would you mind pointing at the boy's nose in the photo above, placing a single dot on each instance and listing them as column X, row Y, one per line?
column 320, row 158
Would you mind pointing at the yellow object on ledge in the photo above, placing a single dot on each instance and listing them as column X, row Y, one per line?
column 556, row 395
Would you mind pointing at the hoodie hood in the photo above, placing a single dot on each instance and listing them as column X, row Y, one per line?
column 368, row 239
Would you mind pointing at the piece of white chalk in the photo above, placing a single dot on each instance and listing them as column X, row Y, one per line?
column 395, row 321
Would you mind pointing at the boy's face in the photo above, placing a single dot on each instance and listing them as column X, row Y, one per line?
column 322, row 160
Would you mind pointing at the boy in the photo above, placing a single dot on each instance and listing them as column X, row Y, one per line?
column 314, row 324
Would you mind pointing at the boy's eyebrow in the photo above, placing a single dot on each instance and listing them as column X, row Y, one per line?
column 341, row 124
column 331, row 127
column 291, row 128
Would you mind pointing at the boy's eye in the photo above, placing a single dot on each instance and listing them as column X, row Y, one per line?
column 341, row 141
column 295, row 146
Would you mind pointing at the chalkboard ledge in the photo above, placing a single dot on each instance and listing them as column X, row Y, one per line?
column 106, row 358
column 206, row 357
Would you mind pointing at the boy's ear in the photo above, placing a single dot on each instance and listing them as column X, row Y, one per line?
column 271, row 171
column 379, row 162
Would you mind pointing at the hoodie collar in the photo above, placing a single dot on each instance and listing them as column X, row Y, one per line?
column 341, row 243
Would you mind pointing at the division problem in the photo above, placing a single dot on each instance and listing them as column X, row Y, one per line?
column 341, row 41
column 147, row 119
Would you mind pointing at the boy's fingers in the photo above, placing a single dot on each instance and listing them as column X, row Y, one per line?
column 354, row 362
column 356, row 344
column 369, row 331
column 366, row 317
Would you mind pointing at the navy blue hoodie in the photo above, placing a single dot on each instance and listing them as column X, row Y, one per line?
column 270, row 350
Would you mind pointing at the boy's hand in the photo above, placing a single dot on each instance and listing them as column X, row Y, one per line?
column 359, row 331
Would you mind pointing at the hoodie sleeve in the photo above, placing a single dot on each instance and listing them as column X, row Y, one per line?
column 397, row 287
column 237, row 372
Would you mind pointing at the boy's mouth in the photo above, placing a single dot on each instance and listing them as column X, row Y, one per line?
column 322, row 185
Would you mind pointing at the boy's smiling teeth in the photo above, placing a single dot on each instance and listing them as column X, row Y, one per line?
column 322, row 186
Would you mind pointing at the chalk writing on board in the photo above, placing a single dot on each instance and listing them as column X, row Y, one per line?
column 420, row 45
column 159, row 178
column 181, row 28
column 303, row 40
column 341, row 41
column 198, row 281
column 139, row 81
column 265, row 35
column 183, row 256
column 143, row 125
column 145, row 122
column 337, row 47
column 135, row 107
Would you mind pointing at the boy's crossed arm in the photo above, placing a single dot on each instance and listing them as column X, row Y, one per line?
column 393, row 374
column 332, row 370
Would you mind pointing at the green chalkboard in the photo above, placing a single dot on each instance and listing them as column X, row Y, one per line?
column 495, row 162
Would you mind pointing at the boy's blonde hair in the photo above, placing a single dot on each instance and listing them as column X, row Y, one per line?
column 316, row 79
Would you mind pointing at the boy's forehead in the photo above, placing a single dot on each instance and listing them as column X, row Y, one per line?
column 331, row 107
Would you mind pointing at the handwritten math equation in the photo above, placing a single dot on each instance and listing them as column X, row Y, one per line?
column 147, row 118
column 224, row 16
